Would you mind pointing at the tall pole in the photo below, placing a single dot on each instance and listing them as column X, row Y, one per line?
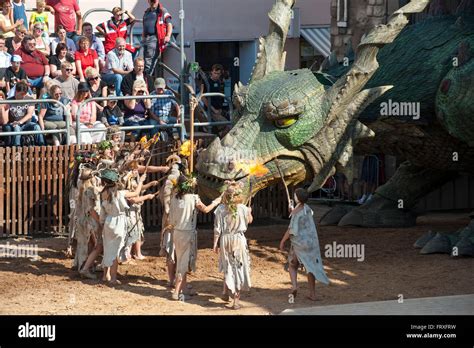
column 193, row 102
column 181, row 78
column 181, row 18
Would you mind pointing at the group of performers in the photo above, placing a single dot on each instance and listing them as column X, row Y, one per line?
column 107, row 190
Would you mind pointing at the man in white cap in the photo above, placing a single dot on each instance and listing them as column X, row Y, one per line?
column 161, row 110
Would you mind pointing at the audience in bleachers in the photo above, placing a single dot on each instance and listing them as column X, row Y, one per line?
column 72, row 64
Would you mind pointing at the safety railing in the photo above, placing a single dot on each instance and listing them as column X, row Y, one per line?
column 80, row 130
column 125, row 128
column 218, row 123
column 40, row 101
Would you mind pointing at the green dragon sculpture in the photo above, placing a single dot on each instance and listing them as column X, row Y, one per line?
column 291, row 118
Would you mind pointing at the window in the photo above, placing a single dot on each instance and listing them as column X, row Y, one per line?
column 342, row 13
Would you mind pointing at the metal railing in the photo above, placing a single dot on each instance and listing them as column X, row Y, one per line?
column 78, row 130
column 136, row 97
column 67, row 117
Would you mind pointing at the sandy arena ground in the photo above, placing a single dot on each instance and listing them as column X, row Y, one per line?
column 391, row 267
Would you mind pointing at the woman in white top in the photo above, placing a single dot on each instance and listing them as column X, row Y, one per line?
column 6, row 27
column 42, row 44
column 183, row 217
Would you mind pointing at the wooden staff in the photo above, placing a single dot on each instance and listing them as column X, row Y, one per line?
column 283, row 179
column 193, row 103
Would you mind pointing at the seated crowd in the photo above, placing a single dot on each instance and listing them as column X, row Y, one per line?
column 35, row 64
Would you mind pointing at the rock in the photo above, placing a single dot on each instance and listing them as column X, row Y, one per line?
column 421, row 242
column 438, row 244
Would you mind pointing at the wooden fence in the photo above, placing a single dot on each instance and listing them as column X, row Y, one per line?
column 34, row 198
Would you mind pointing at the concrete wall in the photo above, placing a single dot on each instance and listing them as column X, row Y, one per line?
column 218, row 20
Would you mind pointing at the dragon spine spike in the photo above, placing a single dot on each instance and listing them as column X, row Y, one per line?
column 339, row 96
column 270, row 55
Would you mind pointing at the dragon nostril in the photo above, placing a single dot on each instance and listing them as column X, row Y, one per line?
column 231, row 165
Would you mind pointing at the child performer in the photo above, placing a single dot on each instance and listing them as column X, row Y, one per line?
column 183, row 217
column 230, row 224
column 114, row 220
column 167, row 246
column 304, row 245
column 88, row 210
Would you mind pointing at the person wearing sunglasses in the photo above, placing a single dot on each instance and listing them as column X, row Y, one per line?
column 42, row 44
column 35, row 63
column 52, row 115
column 116, row 27
column 97, row 87
column 67, row 81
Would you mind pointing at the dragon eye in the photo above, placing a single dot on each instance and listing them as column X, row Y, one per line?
column 285, row 122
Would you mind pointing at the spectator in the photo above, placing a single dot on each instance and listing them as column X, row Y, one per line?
column 35, row 63
column 137, row 74
column 67, row 14
column 119, row 64
column 115, row 27
column 14, row 43
column 85, row 57
column 6, row 27
column 18, row 117
column 97, row 87
column 95, row 43
column 5, row 57
column 42, row 44
column 61, row 55
column 40, row 17
column 112, row 115
column 136, row 110
column 162, row 107
column 67, row 81
column 157, row 30
column 215, row 86
column 52, row 115
column 14, row 73
column 87, row 116
column 370, row 176
column 19, row 11
column 62, row 38
column 214, row 105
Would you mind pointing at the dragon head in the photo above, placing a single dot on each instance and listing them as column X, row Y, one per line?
column 288, row 121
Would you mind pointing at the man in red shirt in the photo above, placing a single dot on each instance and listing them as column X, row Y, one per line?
column 34, row 63
column 68, row 14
